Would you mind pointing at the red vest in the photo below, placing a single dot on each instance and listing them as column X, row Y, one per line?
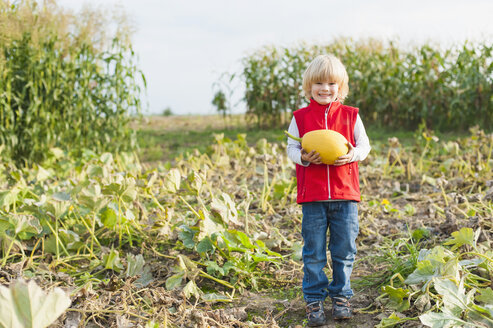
column 319, row 182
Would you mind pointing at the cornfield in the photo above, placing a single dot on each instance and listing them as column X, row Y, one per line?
column 60, row 90
column 447, row 89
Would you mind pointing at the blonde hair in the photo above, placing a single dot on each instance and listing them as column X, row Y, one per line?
column 326, row 68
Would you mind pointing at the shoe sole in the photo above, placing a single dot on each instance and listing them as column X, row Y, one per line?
column 317, row 324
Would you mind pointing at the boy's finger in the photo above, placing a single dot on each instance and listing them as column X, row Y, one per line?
column 342, row 160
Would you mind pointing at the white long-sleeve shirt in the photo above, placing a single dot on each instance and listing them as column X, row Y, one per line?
column 360, row 151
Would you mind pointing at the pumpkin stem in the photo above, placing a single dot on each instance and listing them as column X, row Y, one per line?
column 291, row 136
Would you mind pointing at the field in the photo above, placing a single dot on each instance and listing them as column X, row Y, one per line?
column 190, row 221
column 201, row 229
column 415, row 196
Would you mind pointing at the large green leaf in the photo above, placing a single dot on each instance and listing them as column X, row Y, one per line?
column 391, row 321
column 264, row 248
column 94, row 170
column 486, row 295
column 196, row 181
column 130, row 192
column 4, row 225
column 69, row 239
column 243, row 238
column 56, row 152
column 437, row 255
column 106, row 158
column 207, row 225
column 25, row 223
column 8, row 198
column 61, row 196
column 109, row 216
column 57, row 208
column 214, row 268
column 135, row 264
column 186, row 236
column 398, row 298
column 225, row 208
column 90, row 196
column 215, row 297
column 424, row 272
column 42, row 174
column 440, row 320
column 464, row 236
column 205, row 245
column 191, row 289
column 451, row 269
column 26, row 305
column 175, row 280
column 136, row 267
column 172, row 181
column 454, row 298
column 112, row 261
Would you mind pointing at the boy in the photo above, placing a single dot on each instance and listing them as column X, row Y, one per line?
column 328, row 193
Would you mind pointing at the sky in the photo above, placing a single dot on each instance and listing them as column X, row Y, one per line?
column 184, row 47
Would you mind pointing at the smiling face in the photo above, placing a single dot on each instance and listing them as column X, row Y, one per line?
column 325, row 80
column 324, row 92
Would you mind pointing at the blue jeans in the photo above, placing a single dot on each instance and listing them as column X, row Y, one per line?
column 341, row 218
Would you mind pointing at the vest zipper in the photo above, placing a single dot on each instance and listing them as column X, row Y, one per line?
column 327, row 127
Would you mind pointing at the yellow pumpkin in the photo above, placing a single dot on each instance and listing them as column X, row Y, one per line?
column 328, row 143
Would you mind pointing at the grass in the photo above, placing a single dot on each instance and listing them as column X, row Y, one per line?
column 165, row 138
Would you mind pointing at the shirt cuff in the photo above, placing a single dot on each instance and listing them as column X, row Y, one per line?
column 302, row 162
column 356, row 155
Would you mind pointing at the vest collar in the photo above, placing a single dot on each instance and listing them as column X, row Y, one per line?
column 316, row 105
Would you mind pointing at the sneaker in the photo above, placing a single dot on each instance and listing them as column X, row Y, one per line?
column 341, row 308
column 315, row 314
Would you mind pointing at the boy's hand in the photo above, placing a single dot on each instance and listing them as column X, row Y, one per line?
column 311, row 157
column 345, row 159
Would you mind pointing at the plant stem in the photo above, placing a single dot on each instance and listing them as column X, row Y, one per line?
column 292, row 137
